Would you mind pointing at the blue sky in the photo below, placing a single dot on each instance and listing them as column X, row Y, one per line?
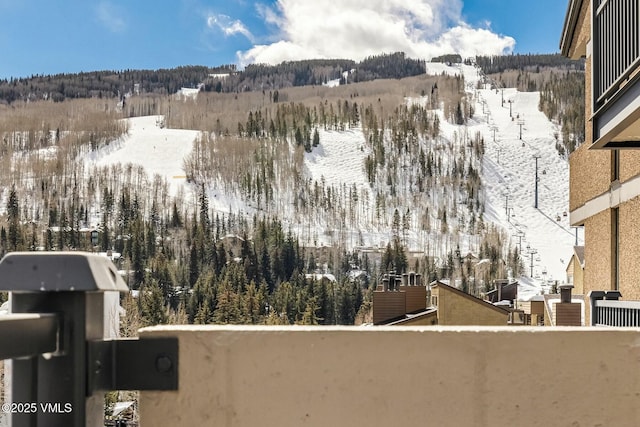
column 46, row 37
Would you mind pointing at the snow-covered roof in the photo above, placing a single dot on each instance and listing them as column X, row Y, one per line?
column 111, row 255
column 4, row 308
column 320, row 276
column 120, row 407
column 354, row 274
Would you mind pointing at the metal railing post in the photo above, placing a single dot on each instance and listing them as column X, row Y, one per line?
column 51, row 389
column 593, row 297
column 61, row 361
column 60, row 379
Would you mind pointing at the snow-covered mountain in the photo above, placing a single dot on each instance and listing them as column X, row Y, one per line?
column 523, row 133
column 515, row 134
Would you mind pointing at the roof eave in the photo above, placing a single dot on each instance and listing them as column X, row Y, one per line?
column 569, row 27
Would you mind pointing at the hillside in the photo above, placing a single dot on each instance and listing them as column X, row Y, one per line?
column 336, row 179
column 226, row 78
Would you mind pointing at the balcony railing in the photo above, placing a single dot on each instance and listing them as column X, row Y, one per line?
column 617, row 313
column 61, row 363
column 608, row 310
column 616, row 45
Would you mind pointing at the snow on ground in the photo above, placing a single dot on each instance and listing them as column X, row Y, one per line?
column 188, row 92
column 160, row 151
column 339, row 158
column 509, row 179
column 47, row 153
column 438, row 68
column 332, row 83
column 508, row 171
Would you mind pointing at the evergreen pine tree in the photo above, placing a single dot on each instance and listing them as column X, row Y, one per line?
column 13, row 217
column 194, row 265
column 152, row 307
column 227, row 310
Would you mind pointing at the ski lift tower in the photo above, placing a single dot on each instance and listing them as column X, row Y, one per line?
column 521, row 124
column 536, row 157
column 531, row 253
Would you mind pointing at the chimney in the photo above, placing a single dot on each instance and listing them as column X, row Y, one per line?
column 385, row 284
column 405, row 279
column 399, row 281
column 418, row 279
column 565, row 293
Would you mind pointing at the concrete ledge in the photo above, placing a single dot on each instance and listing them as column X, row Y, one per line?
column 400, row 376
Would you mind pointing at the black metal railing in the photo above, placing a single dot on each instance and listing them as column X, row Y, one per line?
column 61, row 361
column 616, row 45
column 608, row 310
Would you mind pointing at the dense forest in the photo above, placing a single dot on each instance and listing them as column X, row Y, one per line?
column 257, row 77
column 528, row 62
column 198, row 268
column 562, row 100
column 101, row 84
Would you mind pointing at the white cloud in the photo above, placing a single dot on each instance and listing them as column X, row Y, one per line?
column 228, row 26
column 111, row 17
column 356, row 29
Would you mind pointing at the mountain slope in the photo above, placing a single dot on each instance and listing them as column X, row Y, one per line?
column 508, row 176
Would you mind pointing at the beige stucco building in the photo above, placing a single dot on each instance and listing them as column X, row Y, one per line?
column 402, row 300
column 575, row 270
column 605, row 170
column 458, row 308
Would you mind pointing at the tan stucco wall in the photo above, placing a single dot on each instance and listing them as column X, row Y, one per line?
column 388, row 376
column 598, row 273
column 454, row 309
column 629, row 164
column 597, row 249
column 629, row 249
column 589, row 175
